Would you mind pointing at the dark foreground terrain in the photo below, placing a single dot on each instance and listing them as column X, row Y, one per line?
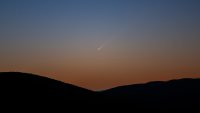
column 21, row 89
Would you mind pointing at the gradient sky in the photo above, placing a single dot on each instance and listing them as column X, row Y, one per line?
column 140, row 40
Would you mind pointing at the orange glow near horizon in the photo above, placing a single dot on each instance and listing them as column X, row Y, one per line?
column 105, row 71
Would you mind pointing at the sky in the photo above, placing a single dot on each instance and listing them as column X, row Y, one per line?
column 100, row 44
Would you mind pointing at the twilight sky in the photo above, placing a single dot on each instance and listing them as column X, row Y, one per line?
column 99, row 44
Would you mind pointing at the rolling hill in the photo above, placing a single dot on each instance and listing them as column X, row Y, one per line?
column 174, row 95
column 30, row 87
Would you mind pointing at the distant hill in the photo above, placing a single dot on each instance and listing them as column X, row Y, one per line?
column 181, row 95
column 175, row 95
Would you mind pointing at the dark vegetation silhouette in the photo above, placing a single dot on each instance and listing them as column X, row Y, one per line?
column 175, row 95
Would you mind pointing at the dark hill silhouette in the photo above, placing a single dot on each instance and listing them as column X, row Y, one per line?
column 175, row 95
column 180, row 95
column 29, row 87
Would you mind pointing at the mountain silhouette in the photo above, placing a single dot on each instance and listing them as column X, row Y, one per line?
column 182, row 94
column 29, row 87
column 174, row 95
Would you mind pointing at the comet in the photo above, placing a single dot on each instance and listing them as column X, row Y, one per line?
column 99, row 48
column 102, row 46
column 108, row 41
